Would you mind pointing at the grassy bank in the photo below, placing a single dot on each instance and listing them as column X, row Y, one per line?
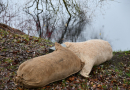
column 15, row 49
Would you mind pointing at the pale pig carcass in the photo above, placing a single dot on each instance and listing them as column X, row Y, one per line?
column 92, row 52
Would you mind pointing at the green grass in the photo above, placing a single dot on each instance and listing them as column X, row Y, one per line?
column 128, row 74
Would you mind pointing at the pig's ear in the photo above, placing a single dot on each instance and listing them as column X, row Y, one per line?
column 68, row 44
column 57, row 46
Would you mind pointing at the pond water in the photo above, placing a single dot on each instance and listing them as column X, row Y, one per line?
column 115, row 24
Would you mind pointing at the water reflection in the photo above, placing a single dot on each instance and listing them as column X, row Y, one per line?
column 116, row 22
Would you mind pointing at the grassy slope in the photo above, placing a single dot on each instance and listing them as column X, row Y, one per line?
column 14, row 49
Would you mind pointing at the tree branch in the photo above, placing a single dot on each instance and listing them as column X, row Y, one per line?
column 66, row 7
column 65, row 31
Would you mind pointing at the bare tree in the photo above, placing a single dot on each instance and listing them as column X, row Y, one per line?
column 47, row 16
column 58, row 20
column 75, row 29
column 7, row 15
column 2, row 6
column 11, row 16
